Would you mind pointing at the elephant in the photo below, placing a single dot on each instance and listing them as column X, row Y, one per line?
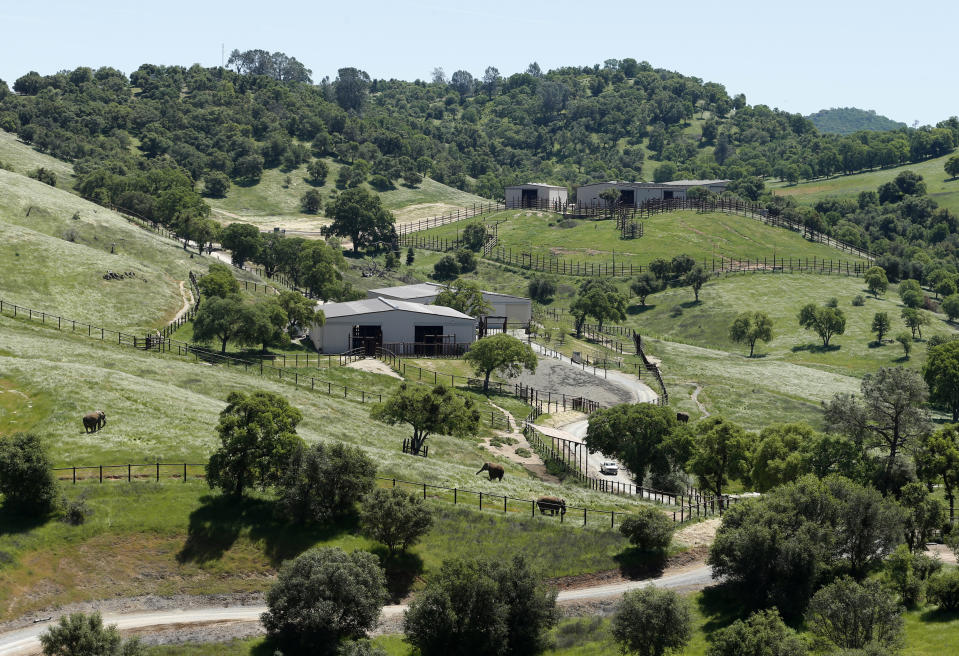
column 682, row 417
column 552, row 504
column 94, row 421
column 495, row 471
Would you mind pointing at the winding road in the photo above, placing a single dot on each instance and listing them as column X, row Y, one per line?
column 26, row 641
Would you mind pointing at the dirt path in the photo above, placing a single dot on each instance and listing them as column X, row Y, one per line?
column 695, row 397
column 533, row 463
column 187, row 296
column 374, row 367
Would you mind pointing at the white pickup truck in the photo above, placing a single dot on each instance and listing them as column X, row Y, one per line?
column 609, row 467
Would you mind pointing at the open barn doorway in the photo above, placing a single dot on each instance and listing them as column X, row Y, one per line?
column 530, row 197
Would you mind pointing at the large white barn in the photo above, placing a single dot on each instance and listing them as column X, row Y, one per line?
column 516, row 309
column 636, row 193
column 399, row 326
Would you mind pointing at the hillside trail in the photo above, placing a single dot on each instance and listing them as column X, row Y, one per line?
column 695, row 396
column 187, row 296
column 533, row 463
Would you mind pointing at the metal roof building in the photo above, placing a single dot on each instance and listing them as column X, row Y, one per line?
column 536, row 195
column 636, row 193
column 516, row 309
column 392, row 324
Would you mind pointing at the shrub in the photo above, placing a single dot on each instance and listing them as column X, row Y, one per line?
column 541, row 290
column 481, row 607
column 851, row 615
column 474, row 235
column 832, row 302
column 216, row 184
column 410, row 256
column 26, row 479
column 651, row 622
column 649, row 529
column 324, row 481
column 943, row 590
column 44, row 175
column 84, row 635
column 906, row 340
column 322, row 597
column 360, row 648
column 762, row 634
column 446, row 269
column 859, row 300
column 391, row 261
column 380, row 182
column 907, row 572
column 76, row 512
column 523, row 453
column 466, row 260
column 311, row 202
column 395, row 517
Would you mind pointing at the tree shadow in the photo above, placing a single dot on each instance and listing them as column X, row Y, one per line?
column 633, row 310
column 215, row 527
column 246, row 182
column 635, row 563
column 939, row 615
column 719, row 605
column 13, row 522
column 874, row 344
column 902, row 358
column 816, row 348
column 690, row 304
column 402, row 570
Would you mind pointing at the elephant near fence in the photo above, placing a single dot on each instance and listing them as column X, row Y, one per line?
column 94, row 421
column 682, row 417
column 552, row 504
column 495, row 471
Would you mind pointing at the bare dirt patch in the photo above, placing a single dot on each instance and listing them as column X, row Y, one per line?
column 698, row 535
column 674, row 564
column 419, row 211
column 561, row 418
column 374, row 367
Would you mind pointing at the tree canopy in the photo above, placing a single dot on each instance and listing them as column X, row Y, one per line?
column 429, row 410
column 502, row 353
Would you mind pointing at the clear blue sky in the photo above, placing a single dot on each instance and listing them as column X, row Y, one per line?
column 895, row 57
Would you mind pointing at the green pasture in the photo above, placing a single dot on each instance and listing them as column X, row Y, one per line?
column 55, row 263
column 704, row 237
column 173, row 538
column 23, row 158
column 943, row 189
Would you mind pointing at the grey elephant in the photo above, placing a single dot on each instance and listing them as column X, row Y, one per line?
column 94, row 421
column 552, row 504
column 495, row 471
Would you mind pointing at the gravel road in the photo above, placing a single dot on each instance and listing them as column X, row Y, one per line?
column 24, row 642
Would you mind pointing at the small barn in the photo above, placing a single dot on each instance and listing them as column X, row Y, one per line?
column 536, row 194
column 637, row 193
column 516, row 309
column 402, row 327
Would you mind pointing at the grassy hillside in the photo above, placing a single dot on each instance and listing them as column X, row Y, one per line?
column 275, row 200
column 701, row 236
column 22, row 158
column 940, row 186
column 56, row 262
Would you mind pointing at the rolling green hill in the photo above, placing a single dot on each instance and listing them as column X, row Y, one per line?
column 941, row 187
column 57, row 249
column 23, row 158
column 847, row 120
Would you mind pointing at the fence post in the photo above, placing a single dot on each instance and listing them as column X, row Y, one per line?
column 158, row 472
column 454, row 496
column 424, row 490
column 504, row 503
column 101, row 473
column 584, row 517
column 612, row 519
column 184, row 472
column 74, row 475
column 129, row 473
column 481, row 500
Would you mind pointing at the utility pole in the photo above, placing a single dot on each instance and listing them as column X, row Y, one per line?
column 222, row 55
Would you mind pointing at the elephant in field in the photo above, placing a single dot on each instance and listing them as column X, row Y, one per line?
column 552, row 504
column 495, row 471
column 94, row 421
column 682, row 417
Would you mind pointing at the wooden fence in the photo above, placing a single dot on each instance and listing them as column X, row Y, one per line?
column 452, row 217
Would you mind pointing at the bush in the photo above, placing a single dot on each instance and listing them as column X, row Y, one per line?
column 380, row 182
column 26, row 479
column 908, row 572
column 317, row 170
column 762, row 634
column 395, row 517
column 44, row 175
column 76, row 512
column 541, row 290
column 216, row 184
column 649, row 529
column 360, row 648
column 410, row 256
column 474, row 236
column 651, row 622
column 311, row 202
column 466, row 260
column 446, row 269
column 906, row 340
column 481, row 607
column 859, row 300
column 851, row 615
column 84, row 635
column 523, row 452
column 322, row 597
column 943, row 590
column 324, row 481
column 832, row 302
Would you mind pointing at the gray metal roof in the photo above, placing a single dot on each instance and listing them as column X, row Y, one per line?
column 408, row 291
column 535, row 184
column 376, row 305
column 694, row 183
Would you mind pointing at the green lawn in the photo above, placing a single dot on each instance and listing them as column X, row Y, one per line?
column 23, row 158
column 704, row 237
column 56, row 263
column 943, row 189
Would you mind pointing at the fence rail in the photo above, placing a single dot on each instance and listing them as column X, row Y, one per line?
column 452, row 217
